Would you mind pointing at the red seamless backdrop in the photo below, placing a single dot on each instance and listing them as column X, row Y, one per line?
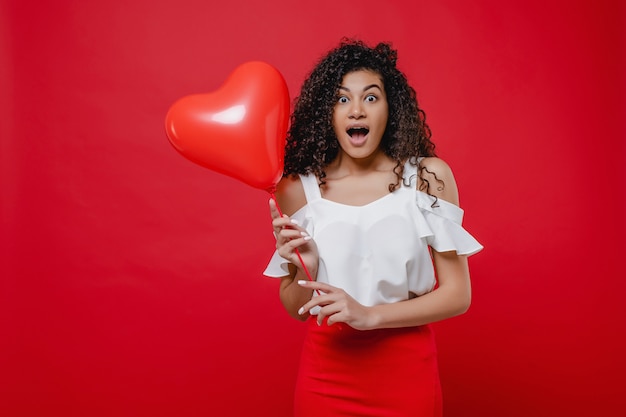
column 131, row 278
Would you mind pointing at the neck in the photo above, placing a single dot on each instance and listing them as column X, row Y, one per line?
column 343, row 164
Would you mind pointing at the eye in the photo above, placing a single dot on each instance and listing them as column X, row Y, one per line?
column 371, row 98
column 342, row 99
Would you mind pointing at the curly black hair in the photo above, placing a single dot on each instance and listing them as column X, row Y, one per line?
column 311, row 141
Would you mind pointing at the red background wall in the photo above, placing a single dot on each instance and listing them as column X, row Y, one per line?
column 131, row 278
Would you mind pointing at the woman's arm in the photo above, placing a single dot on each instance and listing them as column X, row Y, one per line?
column 451, row 297
column 289, row 237
column 293, row 296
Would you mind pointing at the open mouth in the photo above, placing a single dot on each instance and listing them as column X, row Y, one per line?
column 358, row 131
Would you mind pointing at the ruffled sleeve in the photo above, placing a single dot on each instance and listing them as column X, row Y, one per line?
column 444, row 221
column 278, row 266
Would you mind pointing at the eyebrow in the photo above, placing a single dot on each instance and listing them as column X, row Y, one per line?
column 341, row 87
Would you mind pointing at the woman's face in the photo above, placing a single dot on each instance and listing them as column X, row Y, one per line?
column 360, row 113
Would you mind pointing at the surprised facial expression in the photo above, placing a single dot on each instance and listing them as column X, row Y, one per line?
column 360, row 114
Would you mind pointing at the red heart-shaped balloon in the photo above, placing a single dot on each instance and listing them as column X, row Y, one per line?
column 238, row 130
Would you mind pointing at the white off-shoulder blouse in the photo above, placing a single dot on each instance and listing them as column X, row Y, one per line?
column 379, row 252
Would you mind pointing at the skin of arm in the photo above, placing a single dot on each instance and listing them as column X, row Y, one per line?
column 452, row 296
column 289, row 236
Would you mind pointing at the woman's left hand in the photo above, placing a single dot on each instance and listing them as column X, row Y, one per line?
column 338, row 307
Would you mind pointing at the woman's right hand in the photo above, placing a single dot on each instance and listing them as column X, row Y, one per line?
column 292, row 238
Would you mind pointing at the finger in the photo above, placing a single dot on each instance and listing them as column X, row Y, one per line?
column 278, row 224
column 293, row 234
column 287, row 249
column 318, row 302
column 274, row 212
column 287, row 235
column 286, row 222
column 334, row 318
column 281, row 223
column 321, row 286
column 331, row 313
column 287, row 225
column 314, row 302
column 277, row 214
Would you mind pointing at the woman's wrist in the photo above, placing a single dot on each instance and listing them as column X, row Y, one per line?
column 301, row 274
column 374, row 318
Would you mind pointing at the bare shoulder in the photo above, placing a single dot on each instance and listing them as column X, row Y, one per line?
column 437, row 178
column 290, row 194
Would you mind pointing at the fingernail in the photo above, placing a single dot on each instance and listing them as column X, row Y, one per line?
column 301, row 282
column 294, row 221
column 301, row 310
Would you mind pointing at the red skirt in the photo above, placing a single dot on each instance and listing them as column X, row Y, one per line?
column 378, row 373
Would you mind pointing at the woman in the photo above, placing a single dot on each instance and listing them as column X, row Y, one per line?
column 374, row 216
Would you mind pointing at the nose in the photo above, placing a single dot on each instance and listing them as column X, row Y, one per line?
column 357, row 111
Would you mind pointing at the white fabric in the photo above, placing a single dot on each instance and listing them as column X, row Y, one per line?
column 379, row 253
